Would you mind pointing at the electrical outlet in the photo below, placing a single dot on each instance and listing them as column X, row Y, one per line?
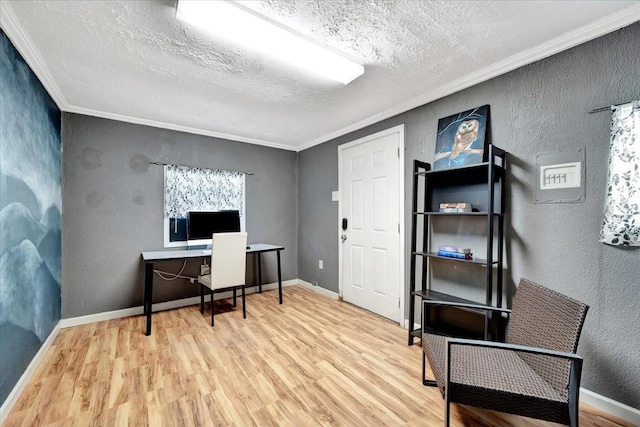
column 320, row 265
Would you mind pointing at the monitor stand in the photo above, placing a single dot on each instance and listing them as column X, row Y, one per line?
column 197, row 247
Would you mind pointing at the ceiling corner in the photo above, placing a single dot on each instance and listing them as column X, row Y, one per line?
column 31, row 55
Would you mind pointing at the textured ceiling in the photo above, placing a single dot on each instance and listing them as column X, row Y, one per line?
column 133, row 61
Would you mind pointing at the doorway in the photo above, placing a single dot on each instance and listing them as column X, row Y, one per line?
column 371, row 223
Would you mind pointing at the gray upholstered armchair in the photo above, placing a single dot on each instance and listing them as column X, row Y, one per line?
column 536, row 373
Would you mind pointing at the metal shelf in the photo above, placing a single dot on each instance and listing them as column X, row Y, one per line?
column 457, row 213
column 441, row 296
column 445, row 330
column 471, row 261
column 479, row 167
column 483, row 186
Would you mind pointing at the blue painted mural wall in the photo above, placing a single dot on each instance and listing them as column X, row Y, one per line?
column 30, row 215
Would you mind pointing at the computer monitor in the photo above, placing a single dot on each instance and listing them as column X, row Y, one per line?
column 202, row 224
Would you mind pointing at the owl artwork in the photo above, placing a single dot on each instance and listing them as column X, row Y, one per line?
column 465, row 136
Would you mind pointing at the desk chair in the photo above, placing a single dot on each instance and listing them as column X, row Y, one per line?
column 228, row 268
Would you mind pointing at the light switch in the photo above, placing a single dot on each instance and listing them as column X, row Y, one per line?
column 335, row 196
column 563, row 175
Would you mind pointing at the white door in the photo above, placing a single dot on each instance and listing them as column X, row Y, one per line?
column 371, row 202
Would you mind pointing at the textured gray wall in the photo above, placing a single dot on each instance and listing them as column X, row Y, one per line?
column 536, row 109
column 113, row 208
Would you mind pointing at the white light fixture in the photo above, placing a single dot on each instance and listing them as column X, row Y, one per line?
column 228, row 19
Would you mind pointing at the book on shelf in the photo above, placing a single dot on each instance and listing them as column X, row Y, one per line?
column 455, row 255
column 457, row 207
column 455, row 249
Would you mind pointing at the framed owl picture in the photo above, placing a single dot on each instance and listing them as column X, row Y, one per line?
column 462, row 139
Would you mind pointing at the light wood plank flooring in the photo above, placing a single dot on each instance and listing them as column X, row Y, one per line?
column 312, row 361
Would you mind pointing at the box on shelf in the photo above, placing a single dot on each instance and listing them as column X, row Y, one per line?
column 457, row 207
column 455, row 249
column 455, row 255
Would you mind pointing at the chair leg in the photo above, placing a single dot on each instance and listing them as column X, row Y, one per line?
column 201, row 299
column 234, row 297
column 574, row 413
column 244, row 305
column 574, row 392
column 212, row 310
column 573, row 420
column 447, row 411
column 447, row 385
column 426, row 382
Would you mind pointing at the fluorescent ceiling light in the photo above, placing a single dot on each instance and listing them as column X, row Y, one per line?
column 228, row 19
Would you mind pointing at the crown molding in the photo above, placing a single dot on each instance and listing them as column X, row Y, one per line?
column 596, row 29
column 12, row 28
column 172, row 126
column 610, row 23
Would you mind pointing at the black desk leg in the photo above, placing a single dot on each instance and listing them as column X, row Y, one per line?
column 148, row 294
column 279, row 278
column 201, row 298
column 259, row 272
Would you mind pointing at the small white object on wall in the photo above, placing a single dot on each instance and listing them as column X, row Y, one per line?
column 335, row 196
column 563, row 175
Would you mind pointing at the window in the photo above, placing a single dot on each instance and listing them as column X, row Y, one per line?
column 187, row 189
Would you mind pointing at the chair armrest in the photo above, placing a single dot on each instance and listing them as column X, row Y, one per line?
column 465, row 305
column 512, row 347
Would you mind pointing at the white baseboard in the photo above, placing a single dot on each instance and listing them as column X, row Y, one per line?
column 610, row 406
column 107, row 315
column 415, row 325
column 168, row 305
column 12, row 398
column 320, row 290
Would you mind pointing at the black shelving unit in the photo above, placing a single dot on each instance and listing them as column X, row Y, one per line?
column 482, row 185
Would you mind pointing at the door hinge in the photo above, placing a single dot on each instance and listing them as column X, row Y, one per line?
column 398, row 227
column 398, row 302
column 398, row 152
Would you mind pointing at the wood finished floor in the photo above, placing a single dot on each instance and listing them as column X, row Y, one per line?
column 312, row 361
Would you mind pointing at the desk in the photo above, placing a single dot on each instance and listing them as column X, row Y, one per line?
column 155, row 256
